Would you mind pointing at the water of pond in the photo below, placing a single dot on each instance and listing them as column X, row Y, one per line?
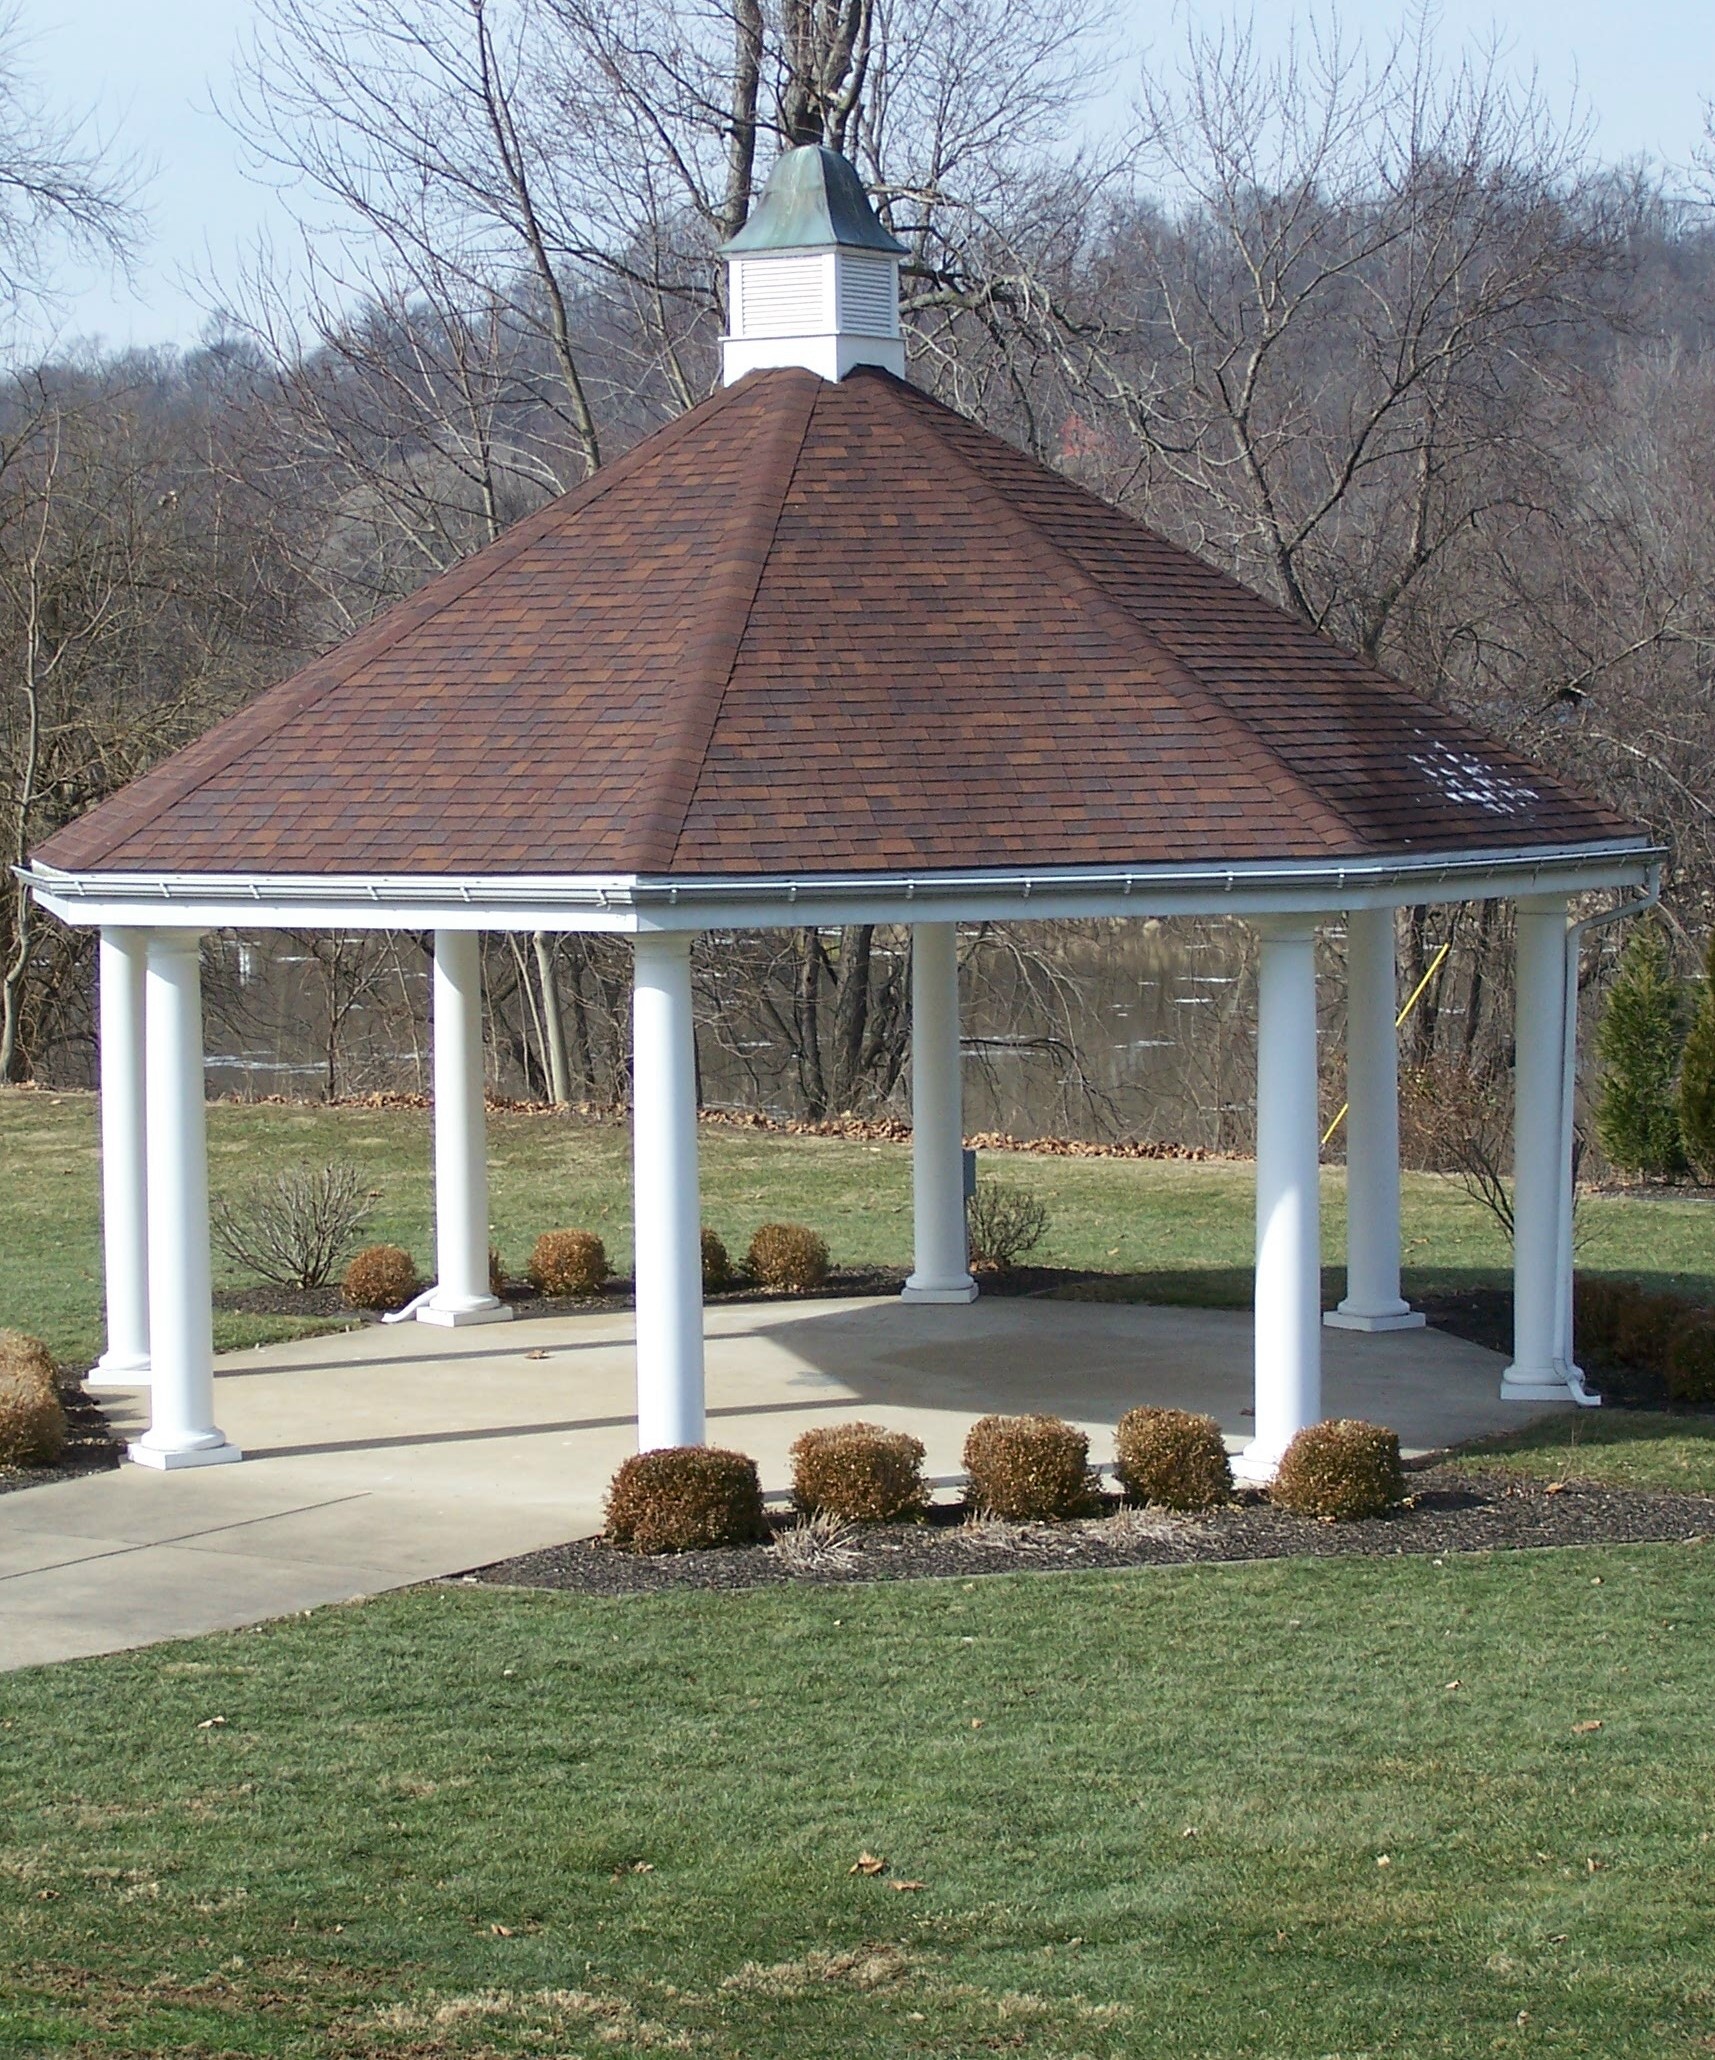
column 1139, row 1029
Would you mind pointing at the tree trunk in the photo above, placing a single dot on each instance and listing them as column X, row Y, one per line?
column 553, row 1024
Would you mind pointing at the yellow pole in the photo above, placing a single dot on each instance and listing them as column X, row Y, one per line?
column 1416, row 997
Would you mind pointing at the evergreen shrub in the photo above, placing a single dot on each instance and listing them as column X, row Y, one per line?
column 1028, row 1468
column 1342, row 1469
column 1638, row 1042
column 1173, row 1457
column 788, row 1257
column 859, row 1473
column 380, row 1277
column 685, row 1498
column 568, row 1262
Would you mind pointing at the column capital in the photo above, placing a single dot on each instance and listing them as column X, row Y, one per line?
column 1286, row 928
column 663, row 944
column 175, row 942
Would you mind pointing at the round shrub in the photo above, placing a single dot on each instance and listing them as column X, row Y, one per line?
column 380, row 1277
column 684, row 1498
column 1173, row 1457
column 27, row 1358
column 32, row 1418
column 787, row 1256
column 859, row 1473
column 1341, row 1469
column 569, row 1262
column 1598, row 1308
column 1028, row 1468
column 1643, row 1328
column 717, row 1265
column 1691, row 1358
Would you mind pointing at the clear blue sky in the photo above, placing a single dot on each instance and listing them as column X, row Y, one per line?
column 151, row 70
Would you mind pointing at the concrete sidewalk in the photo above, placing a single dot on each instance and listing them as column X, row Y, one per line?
column 386, row 1456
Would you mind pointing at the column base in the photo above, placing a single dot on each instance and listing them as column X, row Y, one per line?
column 222, row 1454
column 937, row 1291
column 1402, row 1318
column 455, row 1319
column 1256, row 1466
column 1555, row 1384
column 118, row 1370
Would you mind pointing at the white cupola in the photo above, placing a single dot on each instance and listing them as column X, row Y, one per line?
column 812, row 277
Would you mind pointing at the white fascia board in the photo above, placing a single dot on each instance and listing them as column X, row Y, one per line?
column 627, row 903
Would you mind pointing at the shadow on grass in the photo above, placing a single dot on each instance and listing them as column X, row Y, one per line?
column 1616, row 1447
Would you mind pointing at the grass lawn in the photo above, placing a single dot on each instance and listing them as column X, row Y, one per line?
column 1169, row 1232
column 1318, row 1809
column 1627, row 1450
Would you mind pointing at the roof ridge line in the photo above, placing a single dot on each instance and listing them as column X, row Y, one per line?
column 224, row 745
column 735, row 579
column 1206, row 704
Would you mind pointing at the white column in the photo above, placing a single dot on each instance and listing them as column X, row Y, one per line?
column 182, row 1430
column 1541, row 1158
column 124, row 1196
column 1288, row 1343
column 461, row 1140
column 1373, row 1300
column 942, row 1270
column 667, row 1213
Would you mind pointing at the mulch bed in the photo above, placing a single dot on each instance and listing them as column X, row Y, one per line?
column 618, row 1294
column 90, row 1447
column 1449, row 1512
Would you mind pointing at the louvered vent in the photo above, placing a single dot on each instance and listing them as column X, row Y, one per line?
column 869, row 300
column 780, row 297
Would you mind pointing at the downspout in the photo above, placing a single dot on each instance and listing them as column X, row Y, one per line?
column 1563, row 1340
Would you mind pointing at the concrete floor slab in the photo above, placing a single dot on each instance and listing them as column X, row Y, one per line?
column 389, row 1455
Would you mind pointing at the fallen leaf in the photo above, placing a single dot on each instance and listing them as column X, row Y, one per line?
column 1593, row 1865
column 1384, row 1859
column 976, row 1723
column 867, row 1863
column 1190, row 1831
column 1455, row 1684
column 538, row 1353
column 1555, row 1488
column 908, row 1887
column 500, row 1930
column 1589, row 1724
column 210, row 1723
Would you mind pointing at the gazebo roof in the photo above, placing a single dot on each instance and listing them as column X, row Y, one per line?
column 829, row 629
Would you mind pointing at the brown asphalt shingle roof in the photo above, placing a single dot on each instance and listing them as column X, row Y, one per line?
column 825, row 628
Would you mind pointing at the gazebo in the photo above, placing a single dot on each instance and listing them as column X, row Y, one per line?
column 823, row 651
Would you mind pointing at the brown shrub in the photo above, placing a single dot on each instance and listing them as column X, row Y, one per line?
column 1598, row 1307
column 1690, row 1359
column 27, row 1357
column 684, row 1498
column 717, row 1264
column 380, row 1277
column 32, row 1418
column 787, row 1256
column 859, row 1472
column 569, row 1262
column 1643, row 1328
column 1004, row 1223
column 1028, row 1468
column 496, row 1270
column 1341, row 1469
column 1174, row 1458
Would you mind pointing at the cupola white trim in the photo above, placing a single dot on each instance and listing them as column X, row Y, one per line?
column 813, row 277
